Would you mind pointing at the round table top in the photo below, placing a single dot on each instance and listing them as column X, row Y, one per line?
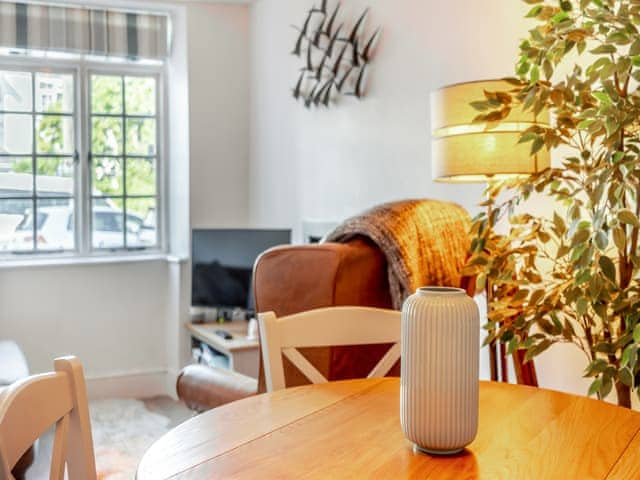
column 351, row 430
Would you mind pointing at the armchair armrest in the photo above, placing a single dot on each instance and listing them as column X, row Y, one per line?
column 203, row 388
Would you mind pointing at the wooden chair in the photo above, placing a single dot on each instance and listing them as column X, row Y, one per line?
column 30, row 406
column 333, row 326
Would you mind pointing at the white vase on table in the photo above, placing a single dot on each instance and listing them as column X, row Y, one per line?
column 439, row 370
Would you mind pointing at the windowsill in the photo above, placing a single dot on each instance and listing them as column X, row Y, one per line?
column 74, row 260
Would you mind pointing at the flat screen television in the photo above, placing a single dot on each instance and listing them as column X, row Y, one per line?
column 222, row 264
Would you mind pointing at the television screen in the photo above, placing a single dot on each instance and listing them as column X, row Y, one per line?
column 222, row 264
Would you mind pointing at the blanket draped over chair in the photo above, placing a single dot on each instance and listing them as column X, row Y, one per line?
column 426, row 242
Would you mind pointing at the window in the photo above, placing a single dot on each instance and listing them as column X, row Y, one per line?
column 79, row 159
column 37, row 168
column 124, row 159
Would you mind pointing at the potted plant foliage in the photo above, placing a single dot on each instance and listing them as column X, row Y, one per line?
column 572, row 276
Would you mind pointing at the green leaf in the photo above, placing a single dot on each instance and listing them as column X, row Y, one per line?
column 596, row 368
column 619, row 238
column 534, row 74
column 537, row 349
column 534, row 12
column 611, row 126
column 628, row 217
column 582, row 305
column 583, row 277
column 604, row 49
column 585, row 124
column 629, row 355
column 636, row 334
column 608, row 268
column 606, row 387
column 625, row 377
column 537, row 145
column 536, row 296
column 602, row 97
column 595, row 386
column 581, row 236
column 559, row 223
column 602, row 240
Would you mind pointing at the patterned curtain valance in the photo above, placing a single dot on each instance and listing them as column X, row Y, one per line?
column 85, row 31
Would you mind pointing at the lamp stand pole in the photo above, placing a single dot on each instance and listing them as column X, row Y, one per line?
column 493, row 345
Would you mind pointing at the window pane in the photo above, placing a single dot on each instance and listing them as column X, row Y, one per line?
column 106, row 136
column 54, row 134
column 141, row 176
column 141, row 222
column 107, row 176
column 15, row 177
column 54, row 93
column 55, row 176
column 13, row 218
column 16, row 133
column 107, row 226
column 106, row 94
column 141, row 136
column 55, row 225
column 140, row 94
column 15, row 91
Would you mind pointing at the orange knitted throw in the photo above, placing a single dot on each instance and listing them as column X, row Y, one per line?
column 426, row 242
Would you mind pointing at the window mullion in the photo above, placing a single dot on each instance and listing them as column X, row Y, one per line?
column 34, row 163
column 124, row 164
column 84, row 122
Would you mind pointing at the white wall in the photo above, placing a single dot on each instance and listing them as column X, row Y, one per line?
column 111, row 316
column 327, row 164
column 219, row 113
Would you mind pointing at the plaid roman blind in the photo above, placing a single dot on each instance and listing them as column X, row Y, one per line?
column 83, row 30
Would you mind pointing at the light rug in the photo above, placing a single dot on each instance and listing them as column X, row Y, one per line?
column 122, row 431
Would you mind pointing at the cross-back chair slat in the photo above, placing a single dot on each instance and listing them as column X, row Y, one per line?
column 325, row 327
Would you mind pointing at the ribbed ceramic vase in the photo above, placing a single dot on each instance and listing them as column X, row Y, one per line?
column 439, row 370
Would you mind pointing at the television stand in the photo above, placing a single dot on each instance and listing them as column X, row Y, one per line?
column 241, row 355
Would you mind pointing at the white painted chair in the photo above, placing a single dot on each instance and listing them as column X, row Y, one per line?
column 30, row 406
column 333, row 326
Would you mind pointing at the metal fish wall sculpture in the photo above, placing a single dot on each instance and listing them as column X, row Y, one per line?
column 335, row 58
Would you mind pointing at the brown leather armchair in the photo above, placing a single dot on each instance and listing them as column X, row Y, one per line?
column 291, row 279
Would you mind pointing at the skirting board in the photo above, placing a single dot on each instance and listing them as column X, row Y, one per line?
column 136, row 384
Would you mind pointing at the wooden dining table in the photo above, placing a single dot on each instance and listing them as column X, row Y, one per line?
column 351, row 430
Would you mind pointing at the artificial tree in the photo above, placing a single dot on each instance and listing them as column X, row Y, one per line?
column 573, row 275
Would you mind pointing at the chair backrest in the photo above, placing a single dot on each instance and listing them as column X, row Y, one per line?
column 333, row 326
column 31, row 406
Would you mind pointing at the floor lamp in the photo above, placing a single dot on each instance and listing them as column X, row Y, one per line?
column 466, row 152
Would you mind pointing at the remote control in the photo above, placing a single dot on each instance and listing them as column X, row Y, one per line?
column 224, row 334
